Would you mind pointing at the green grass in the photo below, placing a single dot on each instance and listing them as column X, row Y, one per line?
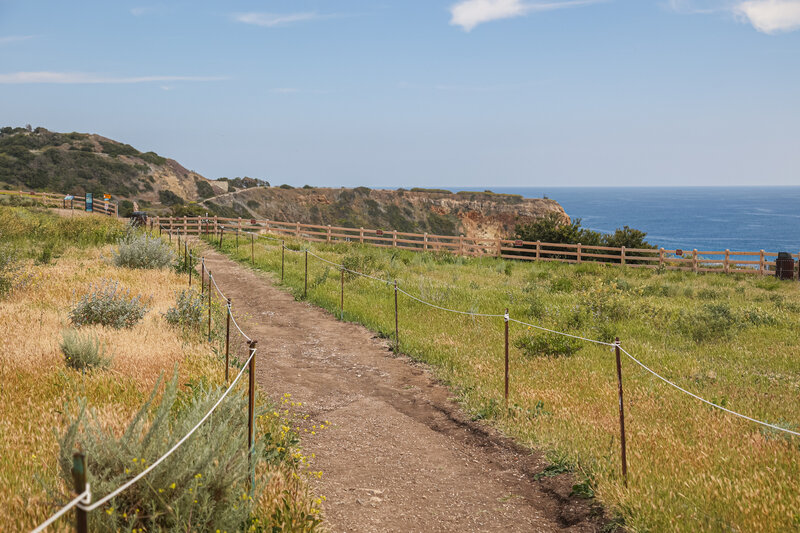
column 731, row 339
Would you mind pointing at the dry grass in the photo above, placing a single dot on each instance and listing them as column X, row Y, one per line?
column 691, row 468
column 37, row 389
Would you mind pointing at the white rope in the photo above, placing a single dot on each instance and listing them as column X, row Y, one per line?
column 84, row 497
column 326, row 261
column 217, row 286
column 668, row 382
column 446, row 309
column 240, row 329
column 158, row 461
column 351, row 271
column 561, row 333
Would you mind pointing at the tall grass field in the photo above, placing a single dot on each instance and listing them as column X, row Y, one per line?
column 733, row 340
column 52, row 365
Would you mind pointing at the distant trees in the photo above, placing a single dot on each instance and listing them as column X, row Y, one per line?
column 553, row 228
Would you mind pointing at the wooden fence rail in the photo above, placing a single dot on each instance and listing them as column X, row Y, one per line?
column 694, row 260
column 49, row 199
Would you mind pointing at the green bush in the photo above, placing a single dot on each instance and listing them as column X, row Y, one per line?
column 108, row 305
column 548, row 344
column 10, row 269
column 188, row 312
column 83, row 352
column 202, row 486
column 139, row 250
column 710, row 322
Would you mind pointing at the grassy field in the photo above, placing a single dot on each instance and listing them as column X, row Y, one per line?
column 53, row 262
column 731, row 339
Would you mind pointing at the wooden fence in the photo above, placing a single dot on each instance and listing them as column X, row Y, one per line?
column 49, row 199
column 721, row 261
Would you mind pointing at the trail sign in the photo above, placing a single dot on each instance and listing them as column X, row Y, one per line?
column 106, row 197
column 88, row 202
column 379, row 232
column 679, row 252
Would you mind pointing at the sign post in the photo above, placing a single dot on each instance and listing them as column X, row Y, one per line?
column 88, row 202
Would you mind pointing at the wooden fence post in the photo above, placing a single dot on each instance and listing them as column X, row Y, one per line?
column 538, row 249
column 579, row 253
column 727, row 263
column 761, row 265
column 227, row 338
column 694, row 260
column 394, row 237
column 505, row 319
column 251, row 410
column 425, row 242
column 622, row 256
column 499, row 246
column 621, row 414
column 361, row 235
column 396, row 322
column 79, row 484
column 460, row 245
column 328, row 239
column 297, row 232
column 661, row 257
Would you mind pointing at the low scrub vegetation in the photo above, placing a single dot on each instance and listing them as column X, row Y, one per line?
column 139, row 250
column 108, row 304
column 189, row 311
column 83, row 352
column 730, row 339
column 42, row 400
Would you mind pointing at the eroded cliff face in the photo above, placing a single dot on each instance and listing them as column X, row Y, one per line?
column 477, row 215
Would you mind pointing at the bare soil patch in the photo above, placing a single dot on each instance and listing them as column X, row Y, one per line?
column 397, row 453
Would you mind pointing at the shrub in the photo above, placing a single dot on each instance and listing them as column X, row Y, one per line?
column 139, row 250
column 188, row 312
column 83, row 352
column 108, row 305
column 548, row 344
column 710, row 322
column 200, row 487
column 168, row 197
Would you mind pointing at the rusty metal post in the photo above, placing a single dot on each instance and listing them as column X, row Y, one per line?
column 237, row 239
column 251, row 409
column 341, row 304
column 179, row 245
column 305, row 285
column 621, row 415
column 209, row 305
column 202, row 275
column 191, row 267
column 79, row 482
column 221, row 232
column 227, row 339
column 505, row 319
column 396, row 322
column 252, row 247
column 283, row 254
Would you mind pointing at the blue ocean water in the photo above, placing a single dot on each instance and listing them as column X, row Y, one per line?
column 706, row 218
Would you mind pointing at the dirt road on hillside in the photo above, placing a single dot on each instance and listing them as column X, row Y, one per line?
column 399, row 454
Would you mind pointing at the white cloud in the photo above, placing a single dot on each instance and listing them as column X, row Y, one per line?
column 766, row 16
column 771, row 16
column 271, row 20
column 86, row 78
column 14, row 38
column 470, row 13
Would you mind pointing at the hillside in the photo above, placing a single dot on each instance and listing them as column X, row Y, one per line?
column 76, row 163
column 473, row 214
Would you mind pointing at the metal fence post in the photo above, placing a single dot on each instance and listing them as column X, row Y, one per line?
column 202, row 275
column 191, row 267
column 505, row 319
column 283, row 254
column 227, row 339
column 305, row 283
column 396, row 322
column 252, row 248
column 621, row 415
column 79, row 481
column 341, row 304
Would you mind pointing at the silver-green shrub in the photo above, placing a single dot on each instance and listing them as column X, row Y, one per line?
column 202, row 486
column 188, row 312
column 109, row 305
column 83, row 352
column 139, row 250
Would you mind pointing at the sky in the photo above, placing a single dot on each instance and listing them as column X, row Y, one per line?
column 469, row 93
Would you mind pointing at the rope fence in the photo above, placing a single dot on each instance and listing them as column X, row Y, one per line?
column 615, row 346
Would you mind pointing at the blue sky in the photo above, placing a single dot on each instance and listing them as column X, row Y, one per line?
column 422, row 92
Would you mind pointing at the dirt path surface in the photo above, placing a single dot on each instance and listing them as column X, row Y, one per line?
column 398, row 454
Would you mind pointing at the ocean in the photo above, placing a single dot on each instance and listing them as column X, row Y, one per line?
column 707, row 218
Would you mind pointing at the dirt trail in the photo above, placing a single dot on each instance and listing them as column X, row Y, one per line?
column 399, row 454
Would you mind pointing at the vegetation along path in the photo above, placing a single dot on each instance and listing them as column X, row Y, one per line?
column 395, row 451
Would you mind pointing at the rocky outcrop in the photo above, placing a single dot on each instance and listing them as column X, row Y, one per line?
column 473, row 214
